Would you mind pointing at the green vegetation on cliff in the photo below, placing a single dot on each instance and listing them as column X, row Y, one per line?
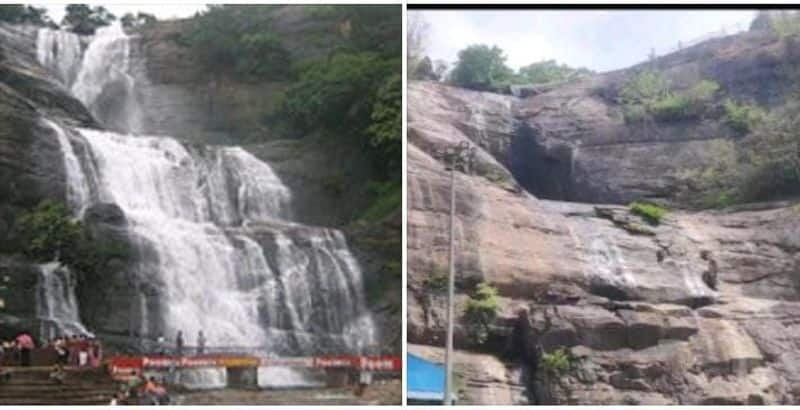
column 481, row 311
column 350, row 94
column 648, row 94
column 24, row 14
column 555, row 363
column 653, row 214
column 483, row 68
column 49, row 233
column 82, row 19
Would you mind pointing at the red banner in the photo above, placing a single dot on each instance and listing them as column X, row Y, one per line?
column 125, row 364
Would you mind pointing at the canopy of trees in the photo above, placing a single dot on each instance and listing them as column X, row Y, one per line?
column 130, row 20
column 481, row 67
column 352, row 92
column 24, row 14
column 82, row 19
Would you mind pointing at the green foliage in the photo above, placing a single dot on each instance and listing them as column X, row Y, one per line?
column 140, row 19
column 49, row 233
column 24, row 14
column 237, row 40
column 436, row 283
column 388, row 196
column 482, row 68
column 480, row 312
column 645, row 88
column 648, row 94
column 547, row 71
column 785, row 23
column 672, row 107
column 743, row 117
column 555, row 363
column 82, row 19
column 651, row 213
column 385, row 131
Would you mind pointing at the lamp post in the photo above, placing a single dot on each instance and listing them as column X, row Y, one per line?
column 457, row 156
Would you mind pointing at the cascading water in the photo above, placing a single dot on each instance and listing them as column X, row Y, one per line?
column 228, row 260
column 57, row 307
column 61, row 52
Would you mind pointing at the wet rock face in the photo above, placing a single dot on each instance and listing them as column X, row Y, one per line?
column 700, row 308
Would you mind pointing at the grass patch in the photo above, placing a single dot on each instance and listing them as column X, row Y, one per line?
column 653, row 214
column 556, row 362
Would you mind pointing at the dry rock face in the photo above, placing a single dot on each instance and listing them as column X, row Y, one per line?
column 700, row 309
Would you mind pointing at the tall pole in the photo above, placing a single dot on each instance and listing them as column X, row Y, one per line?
column 448, row 353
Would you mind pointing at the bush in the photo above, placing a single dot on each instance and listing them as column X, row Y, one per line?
column 129, row 20
column 546, row 72
column 556, row 363
column 648, row 93
column 481, row 311
column 651, row 213
column 644, row 88
column 50, row 234
column 743, row 117
column 480, row 67
column 672, row 107
column 436, row 282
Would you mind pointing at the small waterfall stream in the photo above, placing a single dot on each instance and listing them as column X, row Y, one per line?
column 230, row 261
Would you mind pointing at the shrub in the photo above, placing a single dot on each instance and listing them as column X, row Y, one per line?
column 436, row 282
column 50, row 234
column 644, row 88
column 556, row 362
column 672, row 107
column 481, row 310
column 743, row 117
column 547, row 71
column 651, row 213
column 481, row 68
column 703, row 91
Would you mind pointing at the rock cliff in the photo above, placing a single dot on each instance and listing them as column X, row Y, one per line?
column 699, row 309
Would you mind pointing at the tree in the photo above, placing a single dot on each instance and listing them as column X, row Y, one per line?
column 482, row 68
column 82, row 19
column 129, row 20
column 24, row 14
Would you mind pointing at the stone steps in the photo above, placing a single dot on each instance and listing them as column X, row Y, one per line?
column 29, row 386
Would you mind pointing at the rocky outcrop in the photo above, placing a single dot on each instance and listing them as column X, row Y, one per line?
column 31, row 164
column 699, row 309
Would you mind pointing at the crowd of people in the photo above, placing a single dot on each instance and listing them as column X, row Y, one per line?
column 71, row 350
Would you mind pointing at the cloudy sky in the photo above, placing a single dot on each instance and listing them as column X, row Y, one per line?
column 601, row 40
column 161, row 11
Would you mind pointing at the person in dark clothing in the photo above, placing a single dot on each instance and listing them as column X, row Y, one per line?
column 179, row 344
column 201, row 343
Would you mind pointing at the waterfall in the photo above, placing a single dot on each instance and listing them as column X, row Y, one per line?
column 60, row 52
column 226, row 257
column 104, row 83
column 78, row 192
column 57, row 307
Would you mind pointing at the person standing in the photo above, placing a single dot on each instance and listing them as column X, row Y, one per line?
column 201, row 343
column 179, row 344
column 26, row 345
